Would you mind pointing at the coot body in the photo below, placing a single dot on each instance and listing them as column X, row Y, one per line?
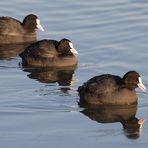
column 14, row 31
column 111, row 89
column 50, row 53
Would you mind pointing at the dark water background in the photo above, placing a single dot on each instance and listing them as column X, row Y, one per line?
column 37, row 110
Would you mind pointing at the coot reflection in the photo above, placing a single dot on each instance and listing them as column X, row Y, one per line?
column 126, row 115
column 8, row 51
column 47, row 75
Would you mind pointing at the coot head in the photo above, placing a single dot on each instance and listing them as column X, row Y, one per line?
column 133, row 80
column 65, row 46
column 32, row 22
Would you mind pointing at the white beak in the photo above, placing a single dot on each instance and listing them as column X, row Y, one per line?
column 39, row 26
column 73, row 50
column 141, row 122
column 141, row 85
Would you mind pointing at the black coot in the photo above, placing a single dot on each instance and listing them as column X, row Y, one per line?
column 14, row 31
column 50, row 53
column 111, row 89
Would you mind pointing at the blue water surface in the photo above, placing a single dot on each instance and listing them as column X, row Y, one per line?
column 37, row 111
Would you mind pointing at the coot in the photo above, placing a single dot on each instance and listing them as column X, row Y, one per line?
column 50, row 53
column 111, row 89
column 14, row 31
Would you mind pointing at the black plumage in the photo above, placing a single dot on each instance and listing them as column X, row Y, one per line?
column 111, row 89
column 14, row 31
column 49, row 53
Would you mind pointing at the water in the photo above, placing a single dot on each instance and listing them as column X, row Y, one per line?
column 38, row 110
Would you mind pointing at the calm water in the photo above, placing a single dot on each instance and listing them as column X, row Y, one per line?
column 40, row 109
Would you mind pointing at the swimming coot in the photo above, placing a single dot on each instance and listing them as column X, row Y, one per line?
column 111, row 89
column 50, row 53
column 14, row 31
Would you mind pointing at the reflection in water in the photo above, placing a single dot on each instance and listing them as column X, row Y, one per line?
column 47, row 75
column 123, row 114
column 8, row 51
